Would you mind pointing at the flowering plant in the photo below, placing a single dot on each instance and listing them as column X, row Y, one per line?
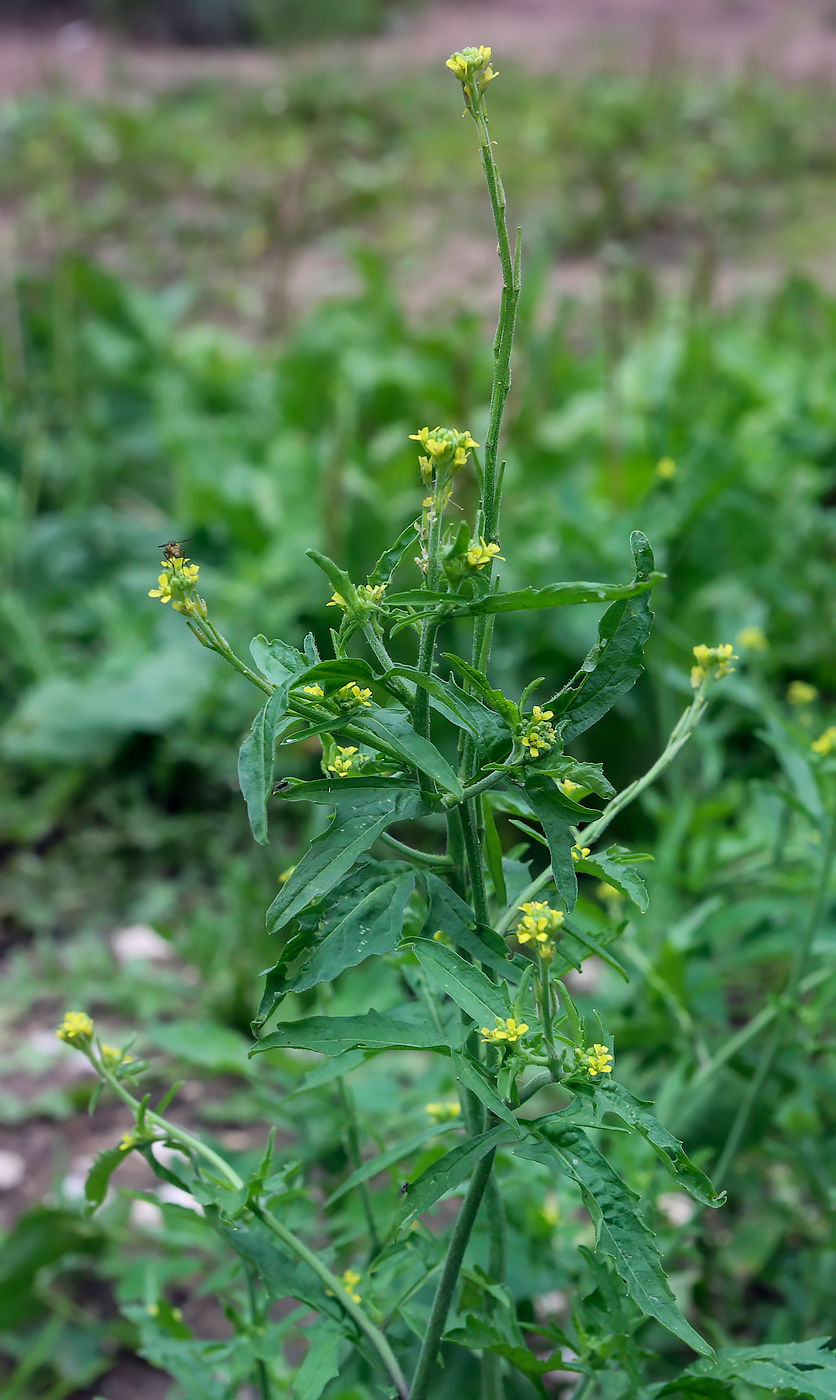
column 425, row 743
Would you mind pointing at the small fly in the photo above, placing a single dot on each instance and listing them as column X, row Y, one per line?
column 174, row 548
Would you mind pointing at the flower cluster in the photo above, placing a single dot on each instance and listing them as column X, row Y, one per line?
column 353, row 696
column 481, row 554
column 76, row 1029
column 595, row 1060
column 446, row 451
column 369, row 597
column 345, row 761
column 538, row 924
column 350, row 1280
column 826, row 741
column 472, row 67
column 443, row 1112
column 753, row 639
column 113, row 1058
column 536, row 733
column 314, row 690
column 176, row 585
column 508, row 1030
column 580, row 852
column 801, row 693
column 712, row 662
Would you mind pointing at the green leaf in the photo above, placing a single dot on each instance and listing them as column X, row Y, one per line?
column 474, row 1077
column 255, row 761
column 363, row 810
column 489, row 731
column 449, row 913
column 276, row 660
column 494, row 698
column 620, row 1231
column 588, row 775
column 493, row 852
column 322, row 1362
column 555, row 595
column 448, row 1173
column 608, row 866
column 365, row 918
column 333, row 1035
column 556, row 814
column 476, row 994
column 281, row 1275
column 391, row 558
column 393, row 728
column 797, row 1368
column 616, row 1099
column 98, row 1177
column 613, row 665
column 383, row 1160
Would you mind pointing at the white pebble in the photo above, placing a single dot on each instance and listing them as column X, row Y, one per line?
column 140, row 943
column 12, row 1170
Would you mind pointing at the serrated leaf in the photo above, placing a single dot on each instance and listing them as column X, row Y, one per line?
column 448, row 1173
column 620, row 1231
column 255, row 761
column 362, row 811
column 797, row 1368
column 277, row 660
column 387, row 1159
column 608, row 866
column 393, row 729
column 614, row 664
column 391, row 558
column 636, row 1113
column 322, row 1362
column 476, row 994
column 556, row 816
column 588, row 775
column 98, row 1177
column 281, row 1275
column 365, row 919
column 333, row 1035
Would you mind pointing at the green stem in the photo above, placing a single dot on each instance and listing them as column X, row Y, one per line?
column 418, row 857
column 378, row 646
column 540, row 1081
column 504, row 338
column 449, row 1277
column 788, row 1004
column 421, row 703
column 333, row 1284
column 260, row 1368
column 473, row 790
column 476, row 867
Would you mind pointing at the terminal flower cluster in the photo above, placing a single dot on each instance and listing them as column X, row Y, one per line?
column 801, row 693
column 176, row 585
column 346, row 760
column 368, row 598
column 472, row 67
column 712, row 662
column 508, row 1031
column 537, row 734
column 538, row 925
column 595, row 1060
column 76, row 1029
column 446, row 451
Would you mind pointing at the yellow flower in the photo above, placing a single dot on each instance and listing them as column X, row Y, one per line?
column 539, row 715
column 351, row 1278
column 800, row 693
column 76, row 1029
column 176, row 584
column 315, row 690
column 445, row 452
column 508, row 1030
column 595, row 1061
column 538, row 734
column 443, row 1112
column 538, row 923
column 163, row 592
column 825, row 741
column 535, row 744
column 567, row 787
column 345, row 762
column 580, row 852
column 481, row 554
column 753, row 639
column 371, row 593
column 473, row 66
column 112, row 1058
column 336, row 601
column 128, row 1141
column 353, row 696
column 666, row 469
column 712, row 661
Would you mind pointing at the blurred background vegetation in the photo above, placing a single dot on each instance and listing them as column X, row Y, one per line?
column 223, row 308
